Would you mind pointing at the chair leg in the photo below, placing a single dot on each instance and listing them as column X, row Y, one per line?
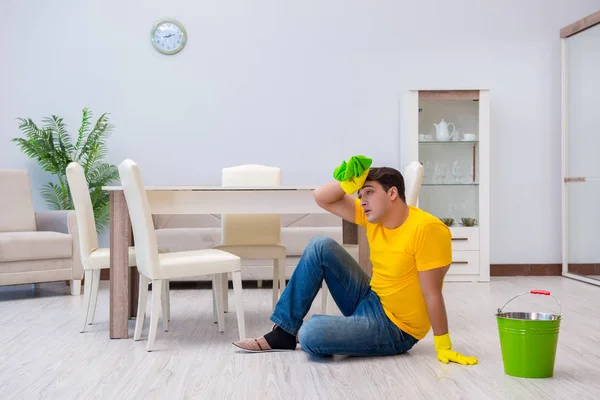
column 94, row 298
column 324, row 295
column 168, row 300
column 157, row 289
column 87, row 294
column 141, row 311
column 225, row 292
column 218, row 286
column 275, row 283
column 165, row 304
column 281, row 276
column 76, row 287
column 214, row 298
column 239, row 303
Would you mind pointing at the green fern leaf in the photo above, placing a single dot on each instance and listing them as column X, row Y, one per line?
column 53, row 195
column 83, row 129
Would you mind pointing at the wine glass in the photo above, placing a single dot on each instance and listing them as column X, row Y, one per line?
column 456, row 171
column 440, row 172
column 427, row 168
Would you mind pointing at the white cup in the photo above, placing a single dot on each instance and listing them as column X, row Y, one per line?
column 469, row 137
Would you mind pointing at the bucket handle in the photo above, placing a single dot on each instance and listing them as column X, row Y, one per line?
column 542, row 292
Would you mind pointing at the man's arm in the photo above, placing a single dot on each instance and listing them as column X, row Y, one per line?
column 332, row 198
column 336, row 196
column 431, row 282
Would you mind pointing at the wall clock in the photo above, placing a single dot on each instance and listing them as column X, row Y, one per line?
column 168, row 36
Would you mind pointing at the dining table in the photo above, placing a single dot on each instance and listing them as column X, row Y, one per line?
column 201, row 200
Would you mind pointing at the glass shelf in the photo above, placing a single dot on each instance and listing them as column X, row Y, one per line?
column 450, row 184
column 449, row 142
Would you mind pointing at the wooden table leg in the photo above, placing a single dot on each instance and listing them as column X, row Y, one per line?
column 354, row 234
column 364, row 252
column 120, row 233
column 134, row 283
column 349, row 232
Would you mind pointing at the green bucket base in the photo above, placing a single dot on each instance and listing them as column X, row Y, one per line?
column 528, row 346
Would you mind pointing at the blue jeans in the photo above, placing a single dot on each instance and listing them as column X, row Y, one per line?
column 364, row 330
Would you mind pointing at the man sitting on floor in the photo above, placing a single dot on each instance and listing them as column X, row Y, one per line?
column 383, row 315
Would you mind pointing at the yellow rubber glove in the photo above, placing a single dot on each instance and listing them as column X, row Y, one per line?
column 353, row 174
column 353, row 184
column 445, row 354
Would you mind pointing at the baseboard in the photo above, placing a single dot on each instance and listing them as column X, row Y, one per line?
column 584, row 269
column 525, row 269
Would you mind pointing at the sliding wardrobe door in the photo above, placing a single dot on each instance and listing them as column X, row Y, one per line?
column 581, row 155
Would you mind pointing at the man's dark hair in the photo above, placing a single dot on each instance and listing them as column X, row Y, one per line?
column 388, row 177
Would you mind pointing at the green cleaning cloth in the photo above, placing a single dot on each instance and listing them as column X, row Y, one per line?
column 355, row 167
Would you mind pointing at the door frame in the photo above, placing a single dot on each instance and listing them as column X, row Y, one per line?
column 565, row 33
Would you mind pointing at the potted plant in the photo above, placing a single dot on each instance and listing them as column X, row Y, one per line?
column 51, row 145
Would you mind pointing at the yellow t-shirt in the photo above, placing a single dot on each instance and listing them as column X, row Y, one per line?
column 421, row 243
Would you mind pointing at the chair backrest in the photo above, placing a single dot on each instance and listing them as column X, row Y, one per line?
column 242, row 229
column 413, row 177
column 86, row 224
column 16, row 203
column 146, row 247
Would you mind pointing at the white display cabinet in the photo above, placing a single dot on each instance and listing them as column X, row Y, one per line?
column 448, row 131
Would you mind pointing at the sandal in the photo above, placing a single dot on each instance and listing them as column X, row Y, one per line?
column 255, row 346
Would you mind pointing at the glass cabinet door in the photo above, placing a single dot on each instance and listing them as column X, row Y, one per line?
column 449, row 152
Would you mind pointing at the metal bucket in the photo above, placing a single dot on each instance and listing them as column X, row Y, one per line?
column 528, row 340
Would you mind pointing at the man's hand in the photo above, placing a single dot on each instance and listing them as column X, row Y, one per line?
column 335, row 196
column 352, row 175
column 352, row 185
column 445, row 354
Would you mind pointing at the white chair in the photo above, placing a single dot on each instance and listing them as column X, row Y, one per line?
column 158, row 267
column 93, row 259
column 256, row 237
column 413, row 178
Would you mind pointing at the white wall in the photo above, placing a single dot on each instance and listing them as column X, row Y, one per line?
column 302, row 85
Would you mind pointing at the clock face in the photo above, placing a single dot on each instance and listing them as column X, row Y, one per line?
column 168, row 37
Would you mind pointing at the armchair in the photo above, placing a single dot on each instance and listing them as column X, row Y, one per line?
column 35, row 247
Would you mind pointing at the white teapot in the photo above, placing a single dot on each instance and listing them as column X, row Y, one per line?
column 442, row 133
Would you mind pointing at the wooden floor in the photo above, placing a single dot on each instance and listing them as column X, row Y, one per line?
column 43, row 355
